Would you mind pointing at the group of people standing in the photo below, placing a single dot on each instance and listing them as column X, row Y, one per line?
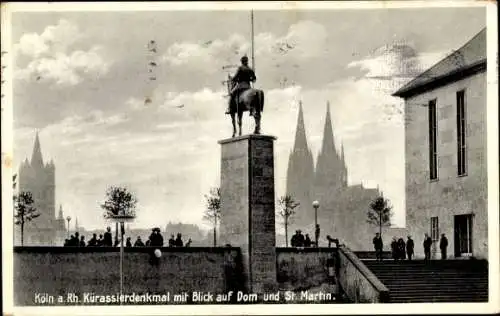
column 299, row 240
column 402, row 250
column 106, row 240
column 156, row 240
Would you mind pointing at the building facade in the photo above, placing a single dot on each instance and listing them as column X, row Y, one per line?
column 38, row 177
column 445, row 136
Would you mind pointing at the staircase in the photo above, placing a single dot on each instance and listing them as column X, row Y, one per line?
column 435, row 281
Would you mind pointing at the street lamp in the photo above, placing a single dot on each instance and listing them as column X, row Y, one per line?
column 68, row 219
column 122, row 218
column 315, row 204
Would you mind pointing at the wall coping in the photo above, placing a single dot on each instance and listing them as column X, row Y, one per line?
column 306, row 249
column 249, row 136
column 61, row 249
column 379, row 286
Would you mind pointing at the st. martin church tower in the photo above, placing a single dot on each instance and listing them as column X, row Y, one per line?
column 38, row 177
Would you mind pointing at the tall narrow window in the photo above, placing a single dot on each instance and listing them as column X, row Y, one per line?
column 434, row 228
column 461, row 134
column 432, row 140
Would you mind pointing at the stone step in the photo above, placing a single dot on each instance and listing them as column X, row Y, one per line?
column 432, row 294
column 439, row 300
column 401, row 287
column 431, row 273
column 436, row 284
column 438, row 292
column 424, row 277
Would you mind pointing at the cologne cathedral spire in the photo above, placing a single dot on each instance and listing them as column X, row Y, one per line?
column 300, row 173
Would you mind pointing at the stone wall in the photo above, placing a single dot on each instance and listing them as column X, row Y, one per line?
column 358, row 283
column 450, row 194
column 303, row 268
column 62, row 270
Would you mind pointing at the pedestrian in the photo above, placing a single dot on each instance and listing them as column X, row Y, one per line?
column 82, row 241
column 409, row 247
column 156, row 238
column 100, row 241
column 427, row 247
column 76, row 240
column 307, row 241
column 378, row 245
column 128, row 243
column 138, row 242
column 443, row 245
column 189, row 242
column 401, row 249
column 316, row 235
column 178, row 240
column 93, row 241
column 300, row 239
column 153, row 239
column 108, row 239
column 293, row 241
column 171, row 241
column 394, row 249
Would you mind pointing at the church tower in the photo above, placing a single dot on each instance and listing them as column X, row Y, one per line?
column 39, row 178
column 330, row 177
column 300, row 175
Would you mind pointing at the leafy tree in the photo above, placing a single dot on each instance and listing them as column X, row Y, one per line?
column 212, row 212
column 287, row 206
column 24, row 211
column 380, row 213
column 119, row 202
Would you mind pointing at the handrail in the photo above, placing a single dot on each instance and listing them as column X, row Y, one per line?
column 372, row 278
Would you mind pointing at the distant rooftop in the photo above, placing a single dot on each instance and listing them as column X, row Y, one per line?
column 466, row 61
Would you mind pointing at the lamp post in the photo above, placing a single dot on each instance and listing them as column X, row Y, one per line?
column 121, row 219
column 315, row 204
column 68, row 219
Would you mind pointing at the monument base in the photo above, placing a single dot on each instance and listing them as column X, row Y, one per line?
column 248, row 207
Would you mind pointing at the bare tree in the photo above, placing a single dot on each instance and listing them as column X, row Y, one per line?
column 24, row 211
column 212, row 212
column 380, row 213
column 287, row 206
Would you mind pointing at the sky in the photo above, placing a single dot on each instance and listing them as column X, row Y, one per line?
column 81, row 79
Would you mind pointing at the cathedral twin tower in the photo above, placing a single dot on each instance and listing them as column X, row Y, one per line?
column 341, row 205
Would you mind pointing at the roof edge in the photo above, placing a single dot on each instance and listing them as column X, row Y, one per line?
column 439, row 81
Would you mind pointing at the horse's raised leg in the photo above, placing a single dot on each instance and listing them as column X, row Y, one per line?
column 234, row 124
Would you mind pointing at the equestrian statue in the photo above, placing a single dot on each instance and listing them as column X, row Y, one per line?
column 243, row 97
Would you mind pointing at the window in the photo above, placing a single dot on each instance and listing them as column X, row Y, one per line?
column 461, row 134
column 432, row 140
column 434, row 228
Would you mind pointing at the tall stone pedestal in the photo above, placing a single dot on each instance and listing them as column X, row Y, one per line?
column 248, row 209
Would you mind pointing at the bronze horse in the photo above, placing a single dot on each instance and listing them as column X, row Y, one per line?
column 251, row 100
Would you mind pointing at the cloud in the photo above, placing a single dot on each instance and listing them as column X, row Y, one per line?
column 52, row 57
column 395, row 64
column 304, row 40
column 55, row 38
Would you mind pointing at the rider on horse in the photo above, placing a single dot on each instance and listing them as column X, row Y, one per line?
column 241, row 81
